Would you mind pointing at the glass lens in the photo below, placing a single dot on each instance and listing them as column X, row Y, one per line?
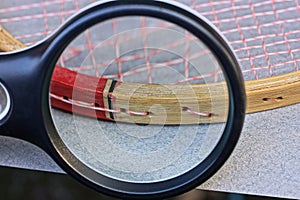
column 4, row 101
column 139, row 99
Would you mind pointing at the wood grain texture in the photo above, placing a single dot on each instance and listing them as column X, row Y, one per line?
column 274, row 92
column 162, row 104
column 169, row 104
column 8, row 42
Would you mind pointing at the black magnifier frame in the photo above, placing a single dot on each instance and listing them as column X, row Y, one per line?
column 26, row 75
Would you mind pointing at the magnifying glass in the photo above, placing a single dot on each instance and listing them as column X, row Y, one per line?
column 106, row 97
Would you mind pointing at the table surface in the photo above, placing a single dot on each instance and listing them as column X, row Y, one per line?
column 266, row 160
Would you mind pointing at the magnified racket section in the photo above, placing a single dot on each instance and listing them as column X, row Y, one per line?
column 139, row 99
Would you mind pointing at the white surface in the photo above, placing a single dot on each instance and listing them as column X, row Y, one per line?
column 265, row 162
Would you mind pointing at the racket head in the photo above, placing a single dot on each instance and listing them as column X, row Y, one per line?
column 199, row 27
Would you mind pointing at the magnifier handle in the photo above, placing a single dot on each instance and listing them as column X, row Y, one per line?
column 22, row 74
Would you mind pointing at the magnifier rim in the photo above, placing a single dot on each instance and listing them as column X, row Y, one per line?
column 6, row 109
column 202, row 29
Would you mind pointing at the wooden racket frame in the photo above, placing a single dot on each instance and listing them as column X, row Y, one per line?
column 178, row 104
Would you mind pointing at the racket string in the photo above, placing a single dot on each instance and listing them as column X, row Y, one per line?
column 201, row 114
column 96, row 107
column 273, row 99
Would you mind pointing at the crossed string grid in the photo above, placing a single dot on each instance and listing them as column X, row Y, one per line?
column 264, row 34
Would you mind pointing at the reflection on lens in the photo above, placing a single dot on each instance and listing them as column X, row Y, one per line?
column 158, row 110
